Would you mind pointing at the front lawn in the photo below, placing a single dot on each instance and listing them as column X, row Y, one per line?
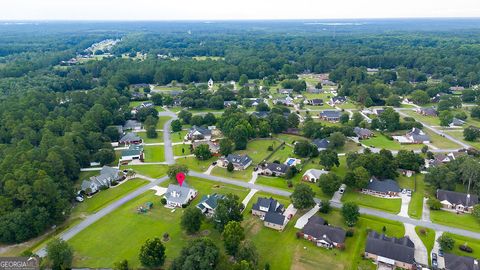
column 462, row 221
column 181, row 150
column 194, row 164
column 161, row 121
column 244, row 175
column 440, row 141
column 388, row 205
column 415, row 208
column 150, row 170
column 154, row 153
column 462, row 240
column 380, row 141
column 178, row 136
column 427, row 237
column 145, row 139
column 458, row 134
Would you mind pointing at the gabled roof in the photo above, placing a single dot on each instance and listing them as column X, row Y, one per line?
column 455, row 262
column 239, row 159
column 315, row 173
column 178, row 194
column 417, row 135
column 362, row 132
column 457, row 197
column 457, row 122
column 132, row 124
column 339, row 99
column 399, row 249
column 330, row 114
column 316, row 227
column 285, row 91
column 275, row 218
column 316, row 101
column 202, row 130
column 271, row 204
column 277, row 167
column 429, row 111
column 321, row 143
column 130, row 137
column 211, row 200
column 133, row 150
column 261, row 114
column 387, row 185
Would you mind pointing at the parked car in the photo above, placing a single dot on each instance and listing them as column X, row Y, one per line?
column 434, row 256
column 79, row 199
column 440, row 253
column 434, row 263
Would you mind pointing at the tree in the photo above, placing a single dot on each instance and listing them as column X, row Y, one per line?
column 59, row 254
column 198, row 254
column 344, row 118
column 121, row 265
column 325, row 206
column 112, row 133
column 328, row 159
column 476, row 211
column 226, row 146
column 173, row 170
column 393, row 100
column 329, row 183
column 350, row 213
column 151, row 132
column 389, row 120
column 446, row 242
column 191, row 220
column 202, row 152
column 408, row 160
column 176, row 125
column 185, row 116
column 336, row 139
column 196, row 120
column 209, row 119
column 152, row 253
column 305, row 149
column 157, row 99
column 475, row 112
column 243, row 80
column 105, row 156
column 302, row 196
column 230, row 167
column 247, row 252
column 228, row 209
column 471, row 133
column 233, row 234
column 420, row 97
column 357, row 118
column 434, row 204
column 446, row 118
column 293, row 120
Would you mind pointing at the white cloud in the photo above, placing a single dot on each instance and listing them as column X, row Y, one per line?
column 228, row 9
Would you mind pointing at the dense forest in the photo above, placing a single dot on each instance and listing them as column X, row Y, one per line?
column 54, row 118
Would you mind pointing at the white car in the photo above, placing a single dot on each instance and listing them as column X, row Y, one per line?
column 79, row 199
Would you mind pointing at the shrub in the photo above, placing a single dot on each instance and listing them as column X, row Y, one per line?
column 163, row 201
column 270, row 148
column 289, row 183
column 423, row 231
column 465, row 248
column 350, row 233
column 103, row 187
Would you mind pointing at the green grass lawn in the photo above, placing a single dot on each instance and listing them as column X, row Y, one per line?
column 154, row 153
column 380, row 141
column 406, row 182
column 178, row 136
column 161, row 121
column 120, row 234
column 105, row 197
column 291, row 139
column 153, row 170
column 282, row 154
column 415, row 208
column 340, row 170
column 461, row 240
column 427, row 237
column 459, row 135
column 158, row 139
column 388, row 205
column 429, row 120
column 257, row 149
column 244, row 175
column 194, row 164
column 177, row 149
column 349, row 146
column 439, row 141
column 462, row 221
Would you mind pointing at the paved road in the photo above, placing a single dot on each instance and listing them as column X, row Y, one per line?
column 103, row 212
column 421, row 253
column 367, row 211
column 167, row 140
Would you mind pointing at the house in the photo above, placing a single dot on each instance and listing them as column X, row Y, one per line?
column 323, row 235
column 315, row 102
column 378, row 111
column 372, row 70
column 134, row 152
column 132, row 125
column 261, row 114
column 198, row 133
column 314, row 90
column 457, row 88
column 177, row 196
column 107, row 177
column 382, row 188
column 288, row 101
column 392, row 252
column 256, row 101
column 460, row 202
column 212, row 146
column 338, row 100
column 427, row 111
column 415, row 136
column 328, row 82
column 312, row 175
column 441, row 158
column 274, row 169
column 144, row 105
column 271, row 212
column 437, row 97
column 229, row 103
column 330, row 115
column 362, row 133
column 455, row 262
column 240, row 162
column 130, row 138
column 285, row 91
column 209, row 203
column 137, row 96
column 322, row 144
column 456, row 122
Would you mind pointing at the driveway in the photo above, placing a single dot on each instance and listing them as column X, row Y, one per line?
column 436, row 247
column 426, row 211
column 301, row 221
column 421, row 254
column 249, row 197
column 337, row 197
column 405, row 201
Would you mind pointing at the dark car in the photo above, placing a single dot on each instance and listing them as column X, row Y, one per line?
column 434, row 256
column 440, row 253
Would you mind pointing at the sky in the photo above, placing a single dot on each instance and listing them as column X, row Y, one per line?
column 232, row 9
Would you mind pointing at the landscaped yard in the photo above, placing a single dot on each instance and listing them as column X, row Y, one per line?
column 282, row 154
column 194, row 164
column 461, row 240
column 388, row 205
column 178, row 136
column 257, row 149
column 415, row 208
column 154, row 153
column 161, row 121
column 439, row 141
column 120, row 234
column 158, row 139
column 150, row 170
column 177, row 149
column 428, row 238
column 244, row 175
column 462, row 221
column 380, row 141
column 458, row 134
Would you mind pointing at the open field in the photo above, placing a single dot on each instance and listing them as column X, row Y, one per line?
column 440, row 141
column 181, row 149
column 178, row 136
column 158, row 139
column 244, row 175
column 459, row 136
column 291, row 139
column 257, row 149
column 381, row 141
column 387, row 205
column 161, row 121
column 462, row 221
column 195, row 164
column 282, row 154
column 429, row 120
column 151, row 170
column 154, row 153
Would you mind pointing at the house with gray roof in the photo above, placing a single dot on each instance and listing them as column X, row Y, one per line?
column 312, row 175
column 457, row 122
column 271, row 212
column 261, row 114
column 390, row 251
column 415, row 136
column 456, row 201
column 132, row 125
column 133, row 152
column 240, row 162
column 285, row 91
column 315, row 102
column 274, row 169
column 382, row 188
column 362, row 133
column 323, row 235
column 338, row 100
column 455, row 262
column 427, row 111
column 209, row 203
column 322, row 144
column 229, row 103
column 330, row 115
column 214, row 147
column 130, row 138
column 198, row 133
column 107, row 177
column 177, row 196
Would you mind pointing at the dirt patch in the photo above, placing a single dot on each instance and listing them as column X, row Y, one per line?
column 253, row 225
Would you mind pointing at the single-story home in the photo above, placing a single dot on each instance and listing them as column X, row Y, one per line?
column 457, row 88
column 415, row 136
column 312, row 175
column 338, row 100
column 382, row 188
column 455, row 262
column 212, row 146
column 274, row 169
column 198, row 133
column 323, row 235
column 378, row 111
column 315, row 102
column 177, row 196
column 229, row 103
column 130, row 138
column 132, row 125
column 427, row 111
column 144, row 105
column 261, row 114
column 322, row 144
column 288, row 101
column 240, row 162
column 134, row 151
column 457, row 122
column 209, row 203
column 441, row 158
column 460, row 202
column 392, row 252
column 285, row 91
column 362, row 133
column 330, row 115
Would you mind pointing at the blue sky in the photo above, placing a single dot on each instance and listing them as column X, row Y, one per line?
column 229, row 9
